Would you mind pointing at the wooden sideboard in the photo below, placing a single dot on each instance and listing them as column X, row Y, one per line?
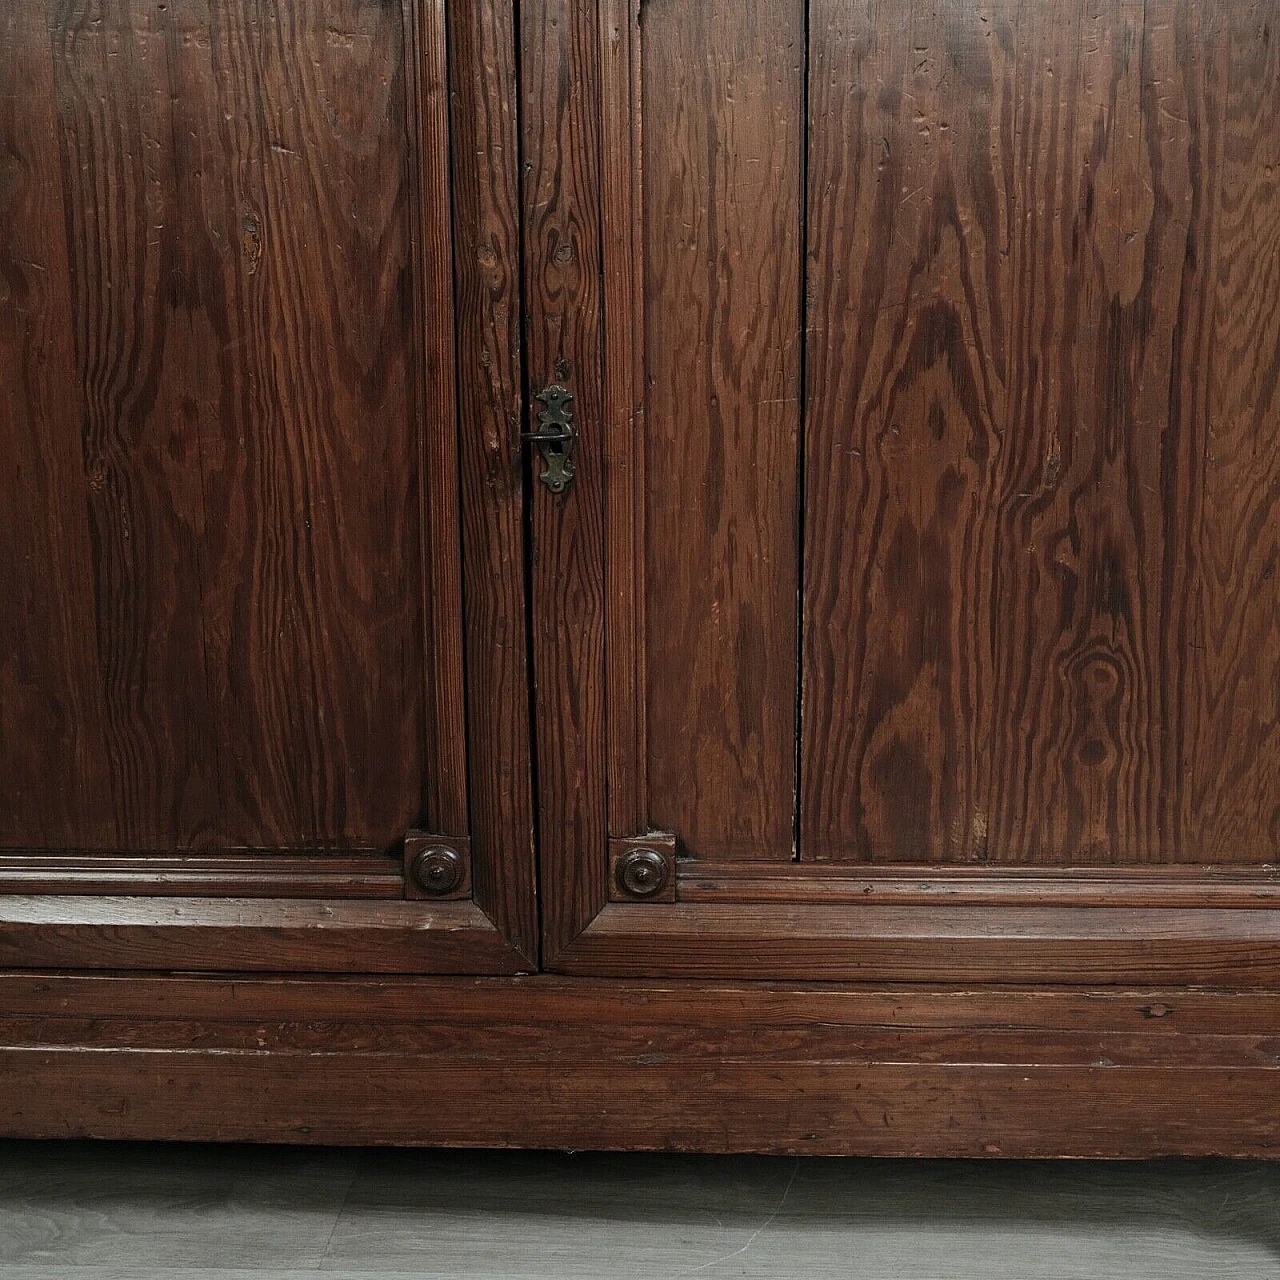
column 625, row 573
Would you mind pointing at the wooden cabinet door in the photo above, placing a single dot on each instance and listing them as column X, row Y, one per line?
column 238, row 602
column 912, row 613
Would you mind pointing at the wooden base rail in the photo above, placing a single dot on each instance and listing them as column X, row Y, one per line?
column 571, row 1063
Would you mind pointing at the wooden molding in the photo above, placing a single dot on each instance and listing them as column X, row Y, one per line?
column 836, row 885
column 231, row 934
column 932, row 943
column 244, row 873
column 814, row 1069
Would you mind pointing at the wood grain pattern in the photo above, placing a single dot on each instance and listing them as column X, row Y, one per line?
column 487, row 200
column 622, row 247
column 561, row 150
column 907, row 333
column 444, row 804
column 1039, row 240
column 224, row 432
column 965, row 885
column 366, row 874
column 1231, row 807
column 229, row 935
column 889, row 942
column 689, row 1066
column 722, row 115
column 55, row 771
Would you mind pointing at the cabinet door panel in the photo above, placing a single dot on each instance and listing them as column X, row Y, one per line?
column 1024, row 641
column 1014, row 556
column 233, row 621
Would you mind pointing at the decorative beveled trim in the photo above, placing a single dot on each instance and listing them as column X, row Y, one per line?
column 233, row 873
column 1105, row 945
column 844, row 884
column 252, row 934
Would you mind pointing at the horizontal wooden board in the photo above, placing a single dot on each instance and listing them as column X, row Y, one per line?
column 981, row 886
column 889, row 942
column 235, row 874
column 715, row 1067
column 228, row 934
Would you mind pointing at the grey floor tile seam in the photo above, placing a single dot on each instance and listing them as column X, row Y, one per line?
column 356, row 1169
column 756, row 1234
column 389, row 1215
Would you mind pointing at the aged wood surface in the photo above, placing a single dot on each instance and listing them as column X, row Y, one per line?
column 622, row 224
column 722, row 116
column 444, row 791
column 1042, row 433
column 214, row 626
column 642, row 1065
column 486, row 200
column 895, row 940
column 1228, row 886
column 224, row 874
column 223, row 934
column 561, row 141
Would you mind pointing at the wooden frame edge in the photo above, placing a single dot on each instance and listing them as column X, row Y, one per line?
column 803, row 1068
column 978, row 885
column 253, row 934
column 247, row 873
column 1060, row 945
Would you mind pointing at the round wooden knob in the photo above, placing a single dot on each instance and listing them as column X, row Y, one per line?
column 438, row 870
column 643, row 873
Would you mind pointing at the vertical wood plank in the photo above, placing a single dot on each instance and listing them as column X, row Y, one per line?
column 227, row 459
column 622, row 223
column 445, row 801
column 312, row 450
column 1035, row 640
column 137, row 322
column 723, row 141
column 486, row 191
column 1102, row 477
column 908, row 328
column 54, row 774
column 561, row 139
column 1230, row 805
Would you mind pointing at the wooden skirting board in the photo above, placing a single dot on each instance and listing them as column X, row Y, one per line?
column 579, row 1063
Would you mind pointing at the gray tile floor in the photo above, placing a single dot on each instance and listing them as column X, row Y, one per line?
column 84, row 1211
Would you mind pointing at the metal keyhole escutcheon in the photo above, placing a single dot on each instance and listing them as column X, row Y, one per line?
column 556, row 438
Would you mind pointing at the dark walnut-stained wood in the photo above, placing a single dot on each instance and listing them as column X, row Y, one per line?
column 1010, row 941
column 225, row 874
column 1043, row 430
column 946, row 886
column 212, row 628
column 1037, row 356
column 622, row 252
column 486, row 202
column 722, row 106
column 582, row 1064
column 561, row 141
column 246, row 934
column 926, row 360
column 233, row 499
